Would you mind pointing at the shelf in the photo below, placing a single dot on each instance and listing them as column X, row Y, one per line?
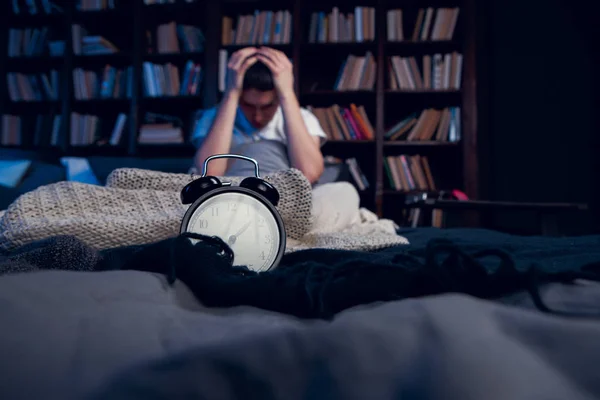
column 50, row 154
column 444, row 46
column 183, row 150
column 38, row 63
column 94, row 15
column 423, row 98
column 325, row 98
column 414, row 4
column 171, row 10
column 102, row 102
column 404, row 193
column 356, row 142
column 246, row 7
column 163, row 58
column 326, row 5
column 187, row 101
column 231, row 48
column 423, row 92
column 481, row 205
column 417, row 143
column 21, row 20
column 348, row 145
column 346, row 148
column 339, row 93
column 96, row 150
column 19, row 107
column 100, row 60
column 340, row 46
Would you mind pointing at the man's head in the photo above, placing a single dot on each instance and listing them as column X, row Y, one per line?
column 259, row 100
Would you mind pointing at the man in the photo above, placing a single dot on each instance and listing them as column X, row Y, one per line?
column 260, row 117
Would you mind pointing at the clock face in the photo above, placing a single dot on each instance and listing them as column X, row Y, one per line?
column 244, row 223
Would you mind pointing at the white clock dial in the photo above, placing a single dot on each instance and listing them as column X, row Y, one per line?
column 244, row 223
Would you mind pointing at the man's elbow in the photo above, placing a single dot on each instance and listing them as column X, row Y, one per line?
column 313, row 172
column 214, row 168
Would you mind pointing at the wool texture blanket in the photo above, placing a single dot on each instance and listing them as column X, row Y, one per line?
column 141, row 206
column 319, row 283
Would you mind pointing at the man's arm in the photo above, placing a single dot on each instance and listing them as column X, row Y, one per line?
column 218, row 139
column 304, row 149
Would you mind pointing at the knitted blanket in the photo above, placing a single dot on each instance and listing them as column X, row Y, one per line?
column 141, row 206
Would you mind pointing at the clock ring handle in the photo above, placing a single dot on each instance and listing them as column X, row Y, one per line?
column 216, row 156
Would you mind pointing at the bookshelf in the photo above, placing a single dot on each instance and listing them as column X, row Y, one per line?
column 125, row 76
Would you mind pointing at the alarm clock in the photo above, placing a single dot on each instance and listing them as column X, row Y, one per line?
column 245, row 216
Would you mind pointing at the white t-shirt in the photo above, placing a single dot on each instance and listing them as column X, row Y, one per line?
column 244, row 132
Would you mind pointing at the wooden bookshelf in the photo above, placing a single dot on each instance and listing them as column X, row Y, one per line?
column 132, row 28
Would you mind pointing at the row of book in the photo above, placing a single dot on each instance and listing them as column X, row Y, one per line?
column 30, row 42
column 337, row 27
column 262, row 27
column 357, row 73
column 165, row 80
column 344, row 123
column 33, row 87
column 11, row 131
column 88, row 129
column 409, row 172
column 158, row 128
column 359, row 178
column 441, row 125
column 162, row 133
column 417, row 217
column 112, row 83
column 357, row 174
column 42, row 130
column 431, row 24
column 95, row 5
column 173, row 38
column 339, row 123
column 34, row 7
column 86, row 44
column 438, row 72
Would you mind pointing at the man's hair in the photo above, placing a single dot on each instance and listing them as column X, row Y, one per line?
column 258, row 77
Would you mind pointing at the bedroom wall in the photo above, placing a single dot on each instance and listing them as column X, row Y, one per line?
column 541, row 115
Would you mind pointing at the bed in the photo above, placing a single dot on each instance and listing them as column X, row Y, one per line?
column 365, row 311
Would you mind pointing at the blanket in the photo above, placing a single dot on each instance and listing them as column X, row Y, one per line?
column 319, row 283
column 450, row 315
column 140, row 206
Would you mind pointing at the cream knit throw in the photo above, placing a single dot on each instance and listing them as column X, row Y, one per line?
column 141, row 206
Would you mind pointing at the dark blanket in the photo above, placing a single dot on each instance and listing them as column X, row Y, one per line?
column 121, row 333
column 319, row 283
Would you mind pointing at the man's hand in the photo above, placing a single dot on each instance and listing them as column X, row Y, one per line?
column 281, row 68
column 239, row 62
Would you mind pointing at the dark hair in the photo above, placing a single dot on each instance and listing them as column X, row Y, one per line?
column 258, row 77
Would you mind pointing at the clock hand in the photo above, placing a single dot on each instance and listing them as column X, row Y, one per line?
column 232, row 238
column 242, row 229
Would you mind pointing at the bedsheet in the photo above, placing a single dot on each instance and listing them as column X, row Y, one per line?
column 125, row 333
